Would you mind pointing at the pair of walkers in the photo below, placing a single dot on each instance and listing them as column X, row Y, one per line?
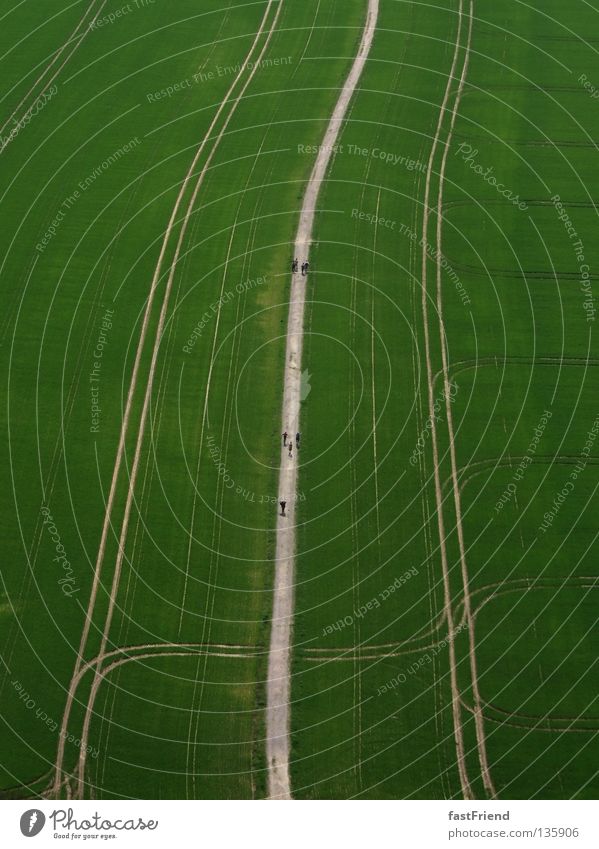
column 288, row 443
column 295, row 266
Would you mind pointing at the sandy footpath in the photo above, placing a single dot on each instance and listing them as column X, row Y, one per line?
column 279, row 684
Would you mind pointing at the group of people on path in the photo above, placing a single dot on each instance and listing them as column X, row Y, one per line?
column 288, row 443
column 295, row 266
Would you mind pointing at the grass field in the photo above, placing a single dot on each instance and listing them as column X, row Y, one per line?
column 372, row 713
column 445, row 616
column 197, row 558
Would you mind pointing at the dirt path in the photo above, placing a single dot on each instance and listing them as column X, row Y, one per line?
column 279, row 683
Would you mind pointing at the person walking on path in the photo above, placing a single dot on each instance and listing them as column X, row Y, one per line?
column 294, row 265
column 285, row 438
column 283, row 505
column 297, row 439
column 290, row 448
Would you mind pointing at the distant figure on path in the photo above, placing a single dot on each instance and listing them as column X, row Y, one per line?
column 285, row 438
column 294, row 265
column 297, row 439
column 283, row 505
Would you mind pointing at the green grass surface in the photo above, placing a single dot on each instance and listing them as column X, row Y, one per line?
column 371, row 716
column 518, row 344
column 198, row 555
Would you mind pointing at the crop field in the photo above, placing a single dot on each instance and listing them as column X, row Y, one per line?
column 160, row 164
column 513, row 415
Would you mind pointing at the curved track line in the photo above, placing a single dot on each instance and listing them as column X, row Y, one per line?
column 45, row 85
column 131, row 392
column 153, row 364
column 278, row 682
column 455, row 692
column 478, row 715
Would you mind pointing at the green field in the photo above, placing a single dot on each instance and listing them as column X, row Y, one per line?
column 372, row 703
column 175, row 659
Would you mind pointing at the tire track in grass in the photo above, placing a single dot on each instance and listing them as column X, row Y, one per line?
column 140, row 530
column 45, row 85
column 455, row 692
column 174, row 320
column 278, row 681
column 429, row 548
column 166, row 370
column 121, row 447
column 173, row 266
column 144, row 501
column 478, row 714
column 106, row 670
column 48, row 485
column 247, row 254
